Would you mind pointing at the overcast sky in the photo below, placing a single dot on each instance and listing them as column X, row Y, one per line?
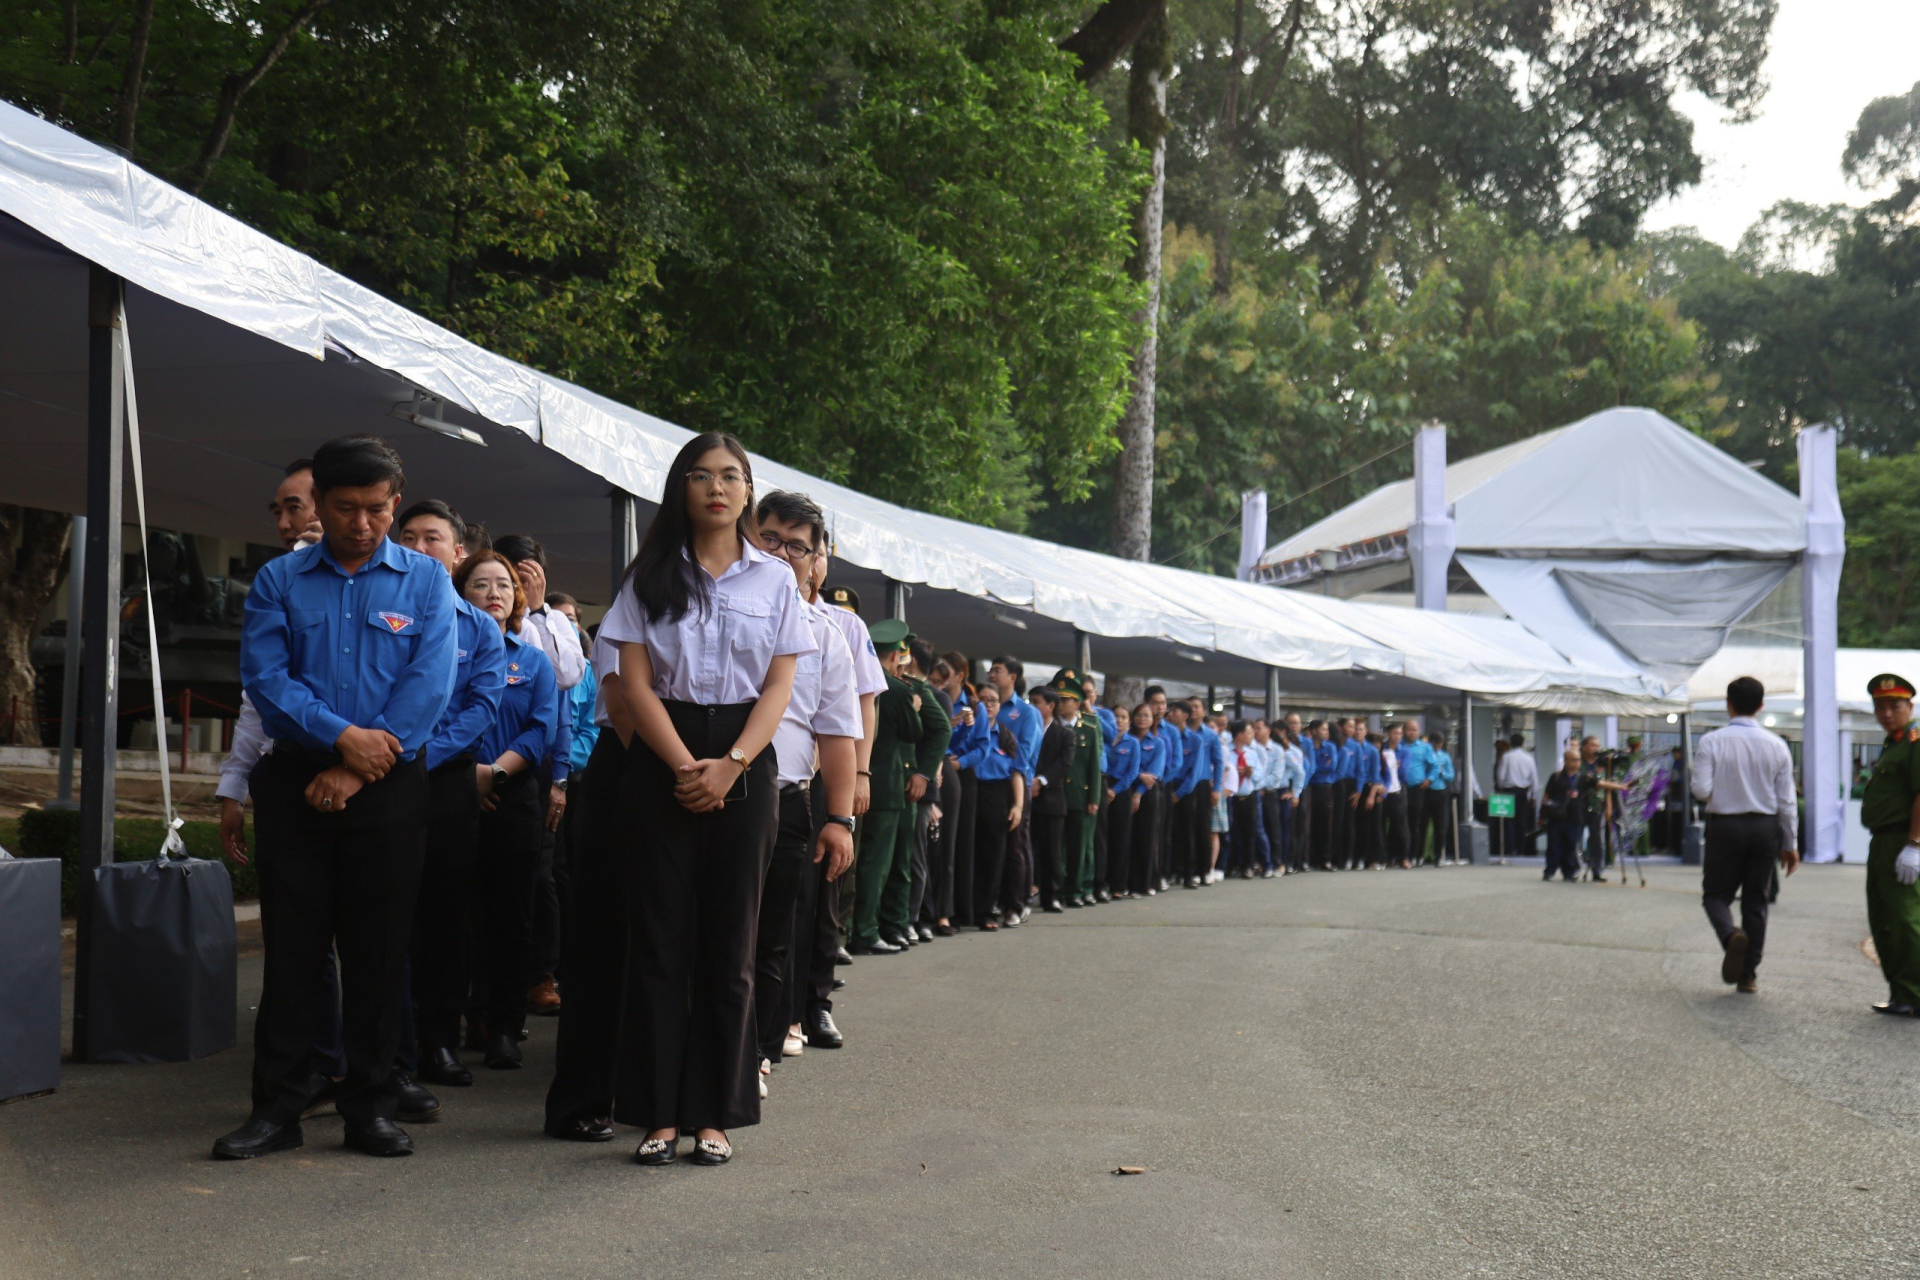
column 1828, row 59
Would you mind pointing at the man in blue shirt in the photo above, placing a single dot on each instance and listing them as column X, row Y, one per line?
column 1204, row 763
column 1418, row 767
column 443, row 916
column 1173, row 767
column 349, row 652
column 1181, row 827
column 1323, row 761
column 1346, row 792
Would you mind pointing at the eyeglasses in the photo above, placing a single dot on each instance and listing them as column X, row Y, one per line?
column 731, row 481
column 779, row 546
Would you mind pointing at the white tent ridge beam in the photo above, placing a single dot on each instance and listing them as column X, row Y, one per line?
column 232, row 377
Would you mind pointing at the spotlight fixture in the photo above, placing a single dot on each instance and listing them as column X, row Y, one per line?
column 1673, row 717
column 420, row 412
column 1190, row 655
column 1011, row 619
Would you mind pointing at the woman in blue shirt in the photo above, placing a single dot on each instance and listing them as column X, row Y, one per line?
column 1149, row 800
column 994, row 756
column 523, row 733
column 1123, row 771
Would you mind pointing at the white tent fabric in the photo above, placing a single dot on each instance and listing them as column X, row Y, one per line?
column 182, row 252
column 1670, row 618
column 1623, row 481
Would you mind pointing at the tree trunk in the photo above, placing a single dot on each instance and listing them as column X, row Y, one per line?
column 126, row 110
column 1146, row 126
column 33, row 560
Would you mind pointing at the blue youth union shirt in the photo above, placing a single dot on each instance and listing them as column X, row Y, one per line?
column 323, row 650
column 530, row 714
column 477, row 683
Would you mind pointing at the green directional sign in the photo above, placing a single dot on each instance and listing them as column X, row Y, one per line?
column 1499, row 806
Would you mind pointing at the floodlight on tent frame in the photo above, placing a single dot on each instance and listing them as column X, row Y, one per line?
column 423, row 410
column 1007, row 616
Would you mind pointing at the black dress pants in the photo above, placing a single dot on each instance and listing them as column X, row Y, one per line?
column 1120, row 815
column 347, row 882
column 1200, row 825
column 792, row 862
column 442, row 917
column 505, row 869
column 1741, row 851
column 1344, row 824
column 1243, row 834
column 960, row 824
column 940, row 852
column 1367, row 841
column 1394, row 835
column 688, row 1055
column 1100, row 838
column 593, row 941
column 1146, row 835
column 992, row 884
column 1320, row 823
column 816, row 931
column 1049, row 836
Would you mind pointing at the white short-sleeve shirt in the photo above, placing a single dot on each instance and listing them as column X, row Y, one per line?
column 823, row 704
column 867, row 675
column 717, row 655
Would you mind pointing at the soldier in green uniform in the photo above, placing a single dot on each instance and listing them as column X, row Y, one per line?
column 1890, row 809
column 897, row 727
column 1083, row 786
column 920, row 766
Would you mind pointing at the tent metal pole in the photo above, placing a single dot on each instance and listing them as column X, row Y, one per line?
column 106, row 455
column 1083, row 651
column 1273, row 695
column 70, row 667
column 626, row 536
column 896, row 600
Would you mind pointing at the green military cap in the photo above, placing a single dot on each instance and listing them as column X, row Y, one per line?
column 888, row 634
column 1067, row 683
column 1890, row 686
column 844, row 597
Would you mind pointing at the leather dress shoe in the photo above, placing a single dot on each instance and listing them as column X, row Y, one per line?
column 878, row 947
column 258, row 1137
column 1748, row 986
column 1733, row 965
column 1053, row 908
column 441, row 1066
column 417, row 1104
column 322, row 1094
column 543, row 997
column 1896, row 1009
column 1104, row 895
column 503, row 1053
column 378, row 1137
column 1076, row 902
column 902, row 941
column 821, row 1033
column 926, row 933
column 843, row 956
column 584, row 1129
column 944, row 931
column 839, row 984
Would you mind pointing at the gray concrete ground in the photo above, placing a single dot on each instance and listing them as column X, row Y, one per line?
column 1439, row 1073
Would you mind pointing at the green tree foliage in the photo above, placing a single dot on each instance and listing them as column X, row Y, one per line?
column 1880, row 585
column 1499, row 335
column 880, row 242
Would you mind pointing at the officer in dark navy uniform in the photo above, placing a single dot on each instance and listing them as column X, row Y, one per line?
column 350, row 654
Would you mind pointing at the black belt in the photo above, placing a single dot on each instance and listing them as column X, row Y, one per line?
column 1712, row 816
column 793, row 788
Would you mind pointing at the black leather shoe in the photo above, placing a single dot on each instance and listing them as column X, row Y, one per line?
column 944, row 931
column 878, row 947
column 900, row 942
column 1076, row 903
column 821, row 1033
column 842, row 956
column 839, row 984
column 378, row 1137
column 1896, row 1009
column 417, row 1105
column 441, row 1066
column 1053, row 908
column 1104, row 895
column 322, row 1094
column 258, row 1137
column 1734, row 963
column 503, row 1053
column 585, row 1129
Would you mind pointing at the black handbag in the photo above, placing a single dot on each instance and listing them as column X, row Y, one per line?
column 30, row 959
column 164, row 960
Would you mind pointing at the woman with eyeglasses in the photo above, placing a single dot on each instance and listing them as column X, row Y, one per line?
column 524, row 733
column 708, row 628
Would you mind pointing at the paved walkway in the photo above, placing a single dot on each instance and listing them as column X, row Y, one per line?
column 1440, row 1073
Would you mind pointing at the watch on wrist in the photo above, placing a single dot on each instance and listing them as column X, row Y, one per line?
column 834, row 819
column 560, row 785
column 739, row 757
column 499, row 775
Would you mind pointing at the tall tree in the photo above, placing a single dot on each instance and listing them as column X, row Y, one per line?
column 33, row 558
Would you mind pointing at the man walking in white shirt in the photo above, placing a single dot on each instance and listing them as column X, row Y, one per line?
column 1744, row 777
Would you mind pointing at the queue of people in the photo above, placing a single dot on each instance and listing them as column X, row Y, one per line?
column 676, row 832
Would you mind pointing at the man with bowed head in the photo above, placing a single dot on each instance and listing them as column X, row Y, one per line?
column 348, row 652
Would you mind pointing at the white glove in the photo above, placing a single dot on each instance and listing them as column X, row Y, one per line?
column 1906, row 868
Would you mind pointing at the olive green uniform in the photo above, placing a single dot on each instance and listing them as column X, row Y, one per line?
column 1084, row 785
column 1893, row 909
column 887, row 828
column 933, row 731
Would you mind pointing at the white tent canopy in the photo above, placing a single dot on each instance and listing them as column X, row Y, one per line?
column 248, row 353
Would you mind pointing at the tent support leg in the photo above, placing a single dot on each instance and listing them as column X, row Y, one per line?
column 626, row 536
column 106, row 455
column 1083, row 652
column 1273, row 695
column 1475, row 845
column 896, row 600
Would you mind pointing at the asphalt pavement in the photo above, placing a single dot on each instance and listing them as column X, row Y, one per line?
column 1448, row 1072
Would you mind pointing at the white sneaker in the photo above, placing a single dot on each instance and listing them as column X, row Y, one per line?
column 793, row 1046
column 766, row 1067
column 763, row 1087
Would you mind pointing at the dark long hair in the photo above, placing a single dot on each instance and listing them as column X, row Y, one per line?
column 666, row 582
